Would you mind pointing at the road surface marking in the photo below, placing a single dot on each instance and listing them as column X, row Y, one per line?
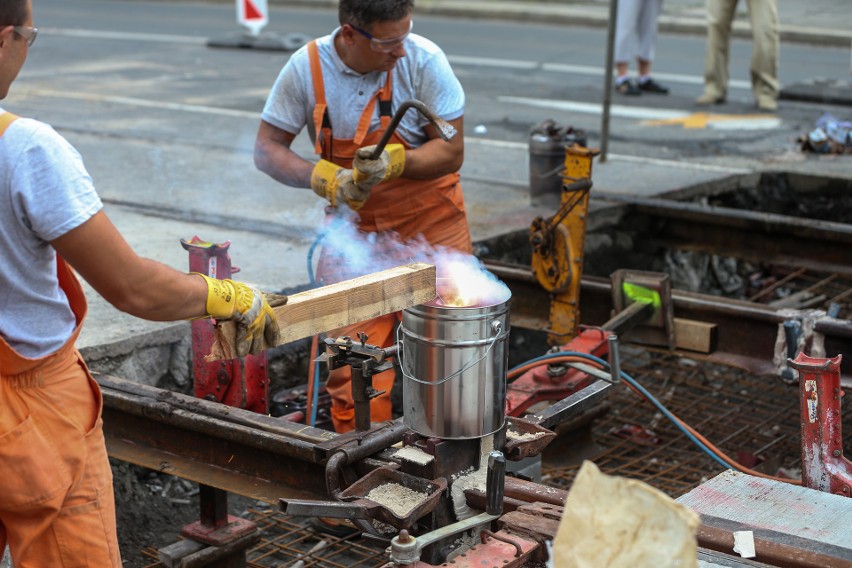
column 656, row 116
column 721, row 121
column 454, row 59
column 130, row 101
column 524, row 147
column 671, row 77
column 125, row 36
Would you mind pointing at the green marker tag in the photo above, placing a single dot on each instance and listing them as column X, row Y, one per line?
column 641, row 294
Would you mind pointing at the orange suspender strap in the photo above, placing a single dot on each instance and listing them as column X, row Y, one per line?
column 5, row 120
column 322, row 124
column 384, row 98
column 385, row 110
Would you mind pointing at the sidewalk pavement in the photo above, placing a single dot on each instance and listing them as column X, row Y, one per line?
column 820, row 22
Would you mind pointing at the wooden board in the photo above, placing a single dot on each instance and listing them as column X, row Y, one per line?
column 337, row 305
column 782, row 514
column 695, row 335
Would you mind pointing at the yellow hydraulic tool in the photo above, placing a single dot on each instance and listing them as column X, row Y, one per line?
column 557, row 245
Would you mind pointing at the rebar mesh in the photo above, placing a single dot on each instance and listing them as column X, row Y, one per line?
column 754, row 419
column 800, row 288
column 286, row 541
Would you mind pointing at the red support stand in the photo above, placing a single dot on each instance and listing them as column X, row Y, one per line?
column 242, row 382
column 823, row 466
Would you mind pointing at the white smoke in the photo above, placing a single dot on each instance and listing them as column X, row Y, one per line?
column 462, row 279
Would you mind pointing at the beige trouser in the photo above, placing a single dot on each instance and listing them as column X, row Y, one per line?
column 764, row 54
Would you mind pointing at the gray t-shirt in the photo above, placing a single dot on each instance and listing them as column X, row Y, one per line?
column 45, row 191
column 423, row 74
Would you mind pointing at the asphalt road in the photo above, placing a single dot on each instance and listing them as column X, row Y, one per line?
column 166, row 124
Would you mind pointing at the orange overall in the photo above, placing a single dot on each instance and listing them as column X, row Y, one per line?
column 56, row 501
column 433, row 209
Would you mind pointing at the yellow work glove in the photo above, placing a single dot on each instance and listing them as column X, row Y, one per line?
column 389, row 165
column 334, row 183
column 247, row 306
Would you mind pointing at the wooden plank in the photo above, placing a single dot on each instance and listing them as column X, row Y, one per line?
column 336, row 305
column 770, row 505
column 695, row 335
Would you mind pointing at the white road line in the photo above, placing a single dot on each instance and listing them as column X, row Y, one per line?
column 201, row 109
column 715, row 121
column 515, row 64
column 670, row 77
column 124, row 36
column 620, row 111
column 637, row 113
column 489, row 62
column 521, row 146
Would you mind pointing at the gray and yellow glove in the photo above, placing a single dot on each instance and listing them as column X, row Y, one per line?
column 228, row 300
column 334, row 183
column 389, row 165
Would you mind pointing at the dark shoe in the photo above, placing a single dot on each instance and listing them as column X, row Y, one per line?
column 707, row 99
column 651, row 86
column 628, row 87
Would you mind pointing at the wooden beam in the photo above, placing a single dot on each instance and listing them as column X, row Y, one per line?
column 336, row 305
column 695, row 335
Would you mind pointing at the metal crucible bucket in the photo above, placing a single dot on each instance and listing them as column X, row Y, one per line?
column 454, row 363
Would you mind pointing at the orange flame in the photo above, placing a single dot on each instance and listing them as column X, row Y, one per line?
column 464, row 282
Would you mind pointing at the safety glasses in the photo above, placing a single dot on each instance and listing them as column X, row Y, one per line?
column 27, row 32
column 383, row 45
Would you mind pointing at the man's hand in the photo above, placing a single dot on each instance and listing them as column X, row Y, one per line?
column 389, row 165
column 247, row 306
column 334, row 183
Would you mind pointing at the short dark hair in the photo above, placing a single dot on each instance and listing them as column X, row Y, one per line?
column 13, row 12
column 362, row 13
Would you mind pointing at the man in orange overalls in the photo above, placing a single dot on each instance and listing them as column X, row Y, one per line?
column 56, row 500
column 344, row 87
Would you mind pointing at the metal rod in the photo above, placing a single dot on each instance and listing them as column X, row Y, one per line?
column 629, row 317
column 607, row 94
column 614, row 359
column 572, row 405
column 495, row 483
column 445, row 129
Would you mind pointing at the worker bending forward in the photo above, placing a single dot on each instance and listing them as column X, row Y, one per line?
column 345, row 88
column 56, row 500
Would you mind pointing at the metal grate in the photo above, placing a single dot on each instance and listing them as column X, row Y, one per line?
column 286, row 541
column 801, row 289
column 754, row 419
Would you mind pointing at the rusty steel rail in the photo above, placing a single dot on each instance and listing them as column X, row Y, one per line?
column 749, row 235
column 746, row 335
column 236, row 450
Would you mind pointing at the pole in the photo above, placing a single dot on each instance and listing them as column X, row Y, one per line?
column 607, row 95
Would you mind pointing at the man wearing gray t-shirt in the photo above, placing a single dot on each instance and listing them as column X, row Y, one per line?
column 344, row 88
column 56, row 500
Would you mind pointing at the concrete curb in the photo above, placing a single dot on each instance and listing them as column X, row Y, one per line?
column 591, row 16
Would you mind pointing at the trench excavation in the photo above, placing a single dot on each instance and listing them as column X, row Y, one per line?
column 740, row 254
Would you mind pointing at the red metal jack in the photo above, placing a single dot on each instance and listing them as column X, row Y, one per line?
column 555, row 382
column 823, row 466
column 241, row 383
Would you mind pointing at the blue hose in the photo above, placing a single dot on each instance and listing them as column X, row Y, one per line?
column 315, row 394
column 638, row 387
